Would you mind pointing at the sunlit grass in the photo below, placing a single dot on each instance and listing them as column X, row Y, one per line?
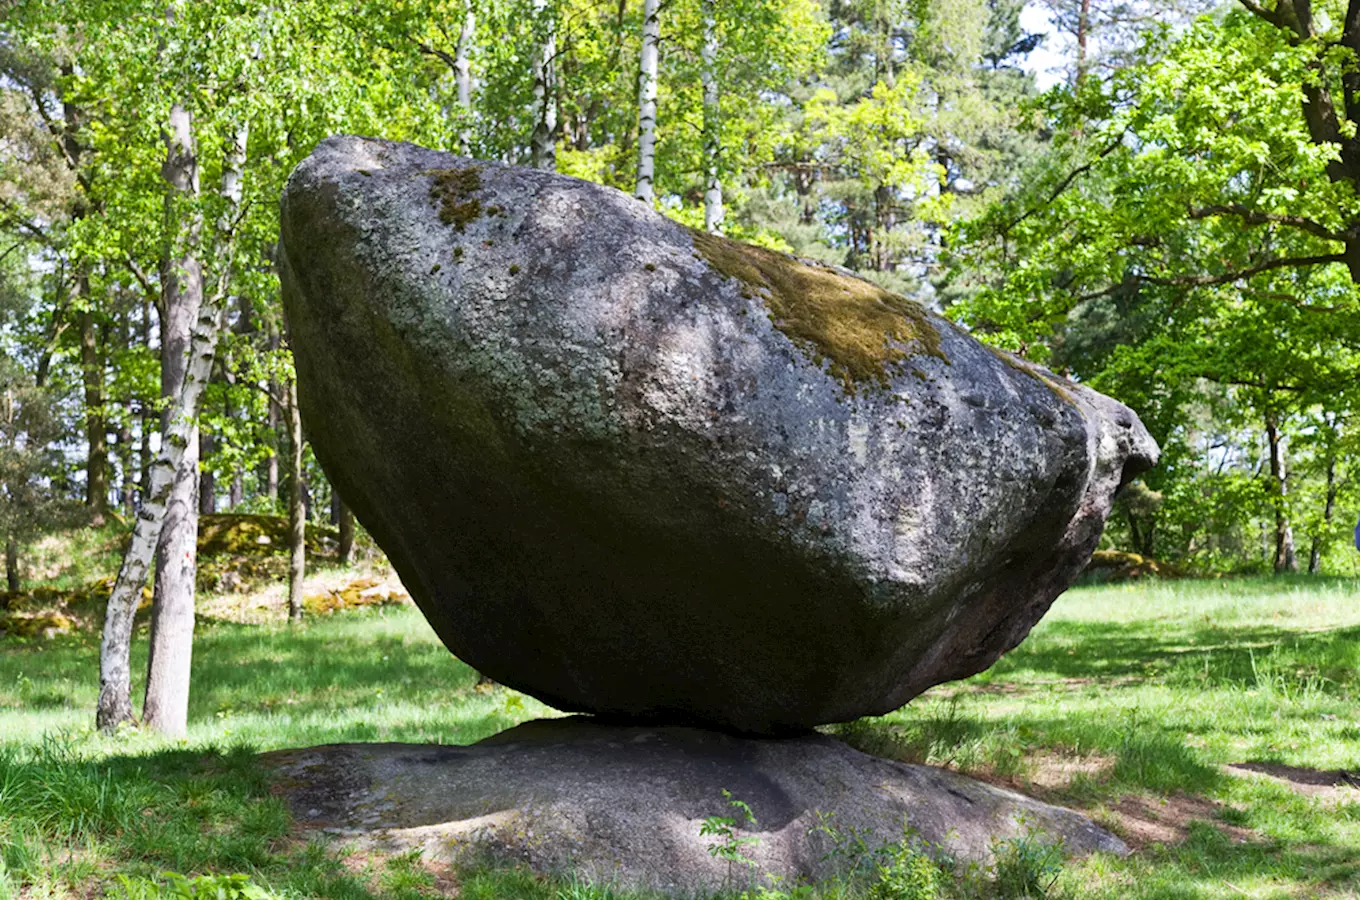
column 1126, row 697
column 1146, row 692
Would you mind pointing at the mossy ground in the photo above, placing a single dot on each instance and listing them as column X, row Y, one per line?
column 1129, row 702
column 862, row 333
column 242, row 568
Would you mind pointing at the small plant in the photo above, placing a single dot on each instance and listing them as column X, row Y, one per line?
column 907, row 871
column 579, row 888
column 850, row 853
column 173, row 886
column 729, row 846
column 1027, row 866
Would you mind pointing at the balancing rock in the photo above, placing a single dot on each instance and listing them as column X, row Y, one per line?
column 640, row 471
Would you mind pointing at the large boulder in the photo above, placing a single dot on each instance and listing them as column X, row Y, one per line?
column 641, row 471
column 627, row 805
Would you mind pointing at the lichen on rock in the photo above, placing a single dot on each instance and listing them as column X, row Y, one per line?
column 862, row 332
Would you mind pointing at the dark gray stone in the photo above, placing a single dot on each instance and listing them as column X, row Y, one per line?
column 625, row 805
column 620, row 480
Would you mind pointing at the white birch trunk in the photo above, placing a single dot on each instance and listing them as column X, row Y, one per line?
column 462, row 64
column 297, row 512
column 170, row 669
column 166, row 702
column 713, row 193
column 647, row 83
column 544, row 140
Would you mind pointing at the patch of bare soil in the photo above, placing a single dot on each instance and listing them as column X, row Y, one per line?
column 1048, row 775
column 1018, row 688
column 1053, row 773
column 1332, row 785
column 1143, row 820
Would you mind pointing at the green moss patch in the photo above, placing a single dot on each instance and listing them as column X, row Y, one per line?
column 452, row 193
column 862, row 332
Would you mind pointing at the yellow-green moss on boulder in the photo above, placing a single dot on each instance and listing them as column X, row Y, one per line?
column 862, row 332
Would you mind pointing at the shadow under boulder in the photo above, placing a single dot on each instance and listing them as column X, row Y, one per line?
column 625, row 804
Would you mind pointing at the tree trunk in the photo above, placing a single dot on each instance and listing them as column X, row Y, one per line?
column 148, row 422
column 1328, row 512
column 297, row 513
column 172, row 613
column 713, row 193
column 236, row 490
column 178, row 441
column 1083, row 39
column 12, row 580
column 462, row 64
column 207, row 480
column 544, row 139
column 96, row 430
column 1285, row 558
column 115, row 706
column 647, row 84
column 271, row 463
column 346, row 524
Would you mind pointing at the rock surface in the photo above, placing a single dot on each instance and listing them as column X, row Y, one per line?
column 640, row 471
column 625, row 804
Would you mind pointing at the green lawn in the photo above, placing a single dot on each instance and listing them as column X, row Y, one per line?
column 1128, row 702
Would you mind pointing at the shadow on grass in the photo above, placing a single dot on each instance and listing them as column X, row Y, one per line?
column 1245, row 657
column 184, row 811
column 1210, row 859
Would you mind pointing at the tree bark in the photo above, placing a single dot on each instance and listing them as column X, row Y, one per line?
column 271, row 463
column 96, row 428
column 178, row 441
column 172, row 613
column 462, row 64
column 12, row 580
column 1328, row 513
column 236, row 489
column 544, row 140
column 297, row 513
column 346, row 525
column 1285, row 558
column 148, row 421
column 126, row 451
column 713, row 192
column 115, row 706
column 1083, row 41
column 207, row 480
column 647, row 85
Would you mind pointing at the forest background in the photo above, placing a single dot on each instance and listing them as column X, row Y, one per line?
column 1174, row 220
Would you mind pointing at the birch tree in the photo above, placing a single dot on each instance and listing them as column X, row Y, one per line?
column 463, row 69
column 297, row 513
column 713, row 192
column 172, row 614
column 544, row 139
column 647, row 90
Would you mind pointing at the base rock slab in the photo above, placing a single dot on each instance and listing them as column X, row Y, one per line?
column 625, row 804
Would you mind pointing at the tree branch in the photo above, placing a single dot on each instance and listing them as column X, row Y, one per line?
column 1255, row 217
column 20, row 221
column 1284, row 262
column 1065, row 183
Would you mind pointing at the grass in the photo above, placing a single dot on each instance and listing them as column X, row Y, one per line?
column 1128, row 702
